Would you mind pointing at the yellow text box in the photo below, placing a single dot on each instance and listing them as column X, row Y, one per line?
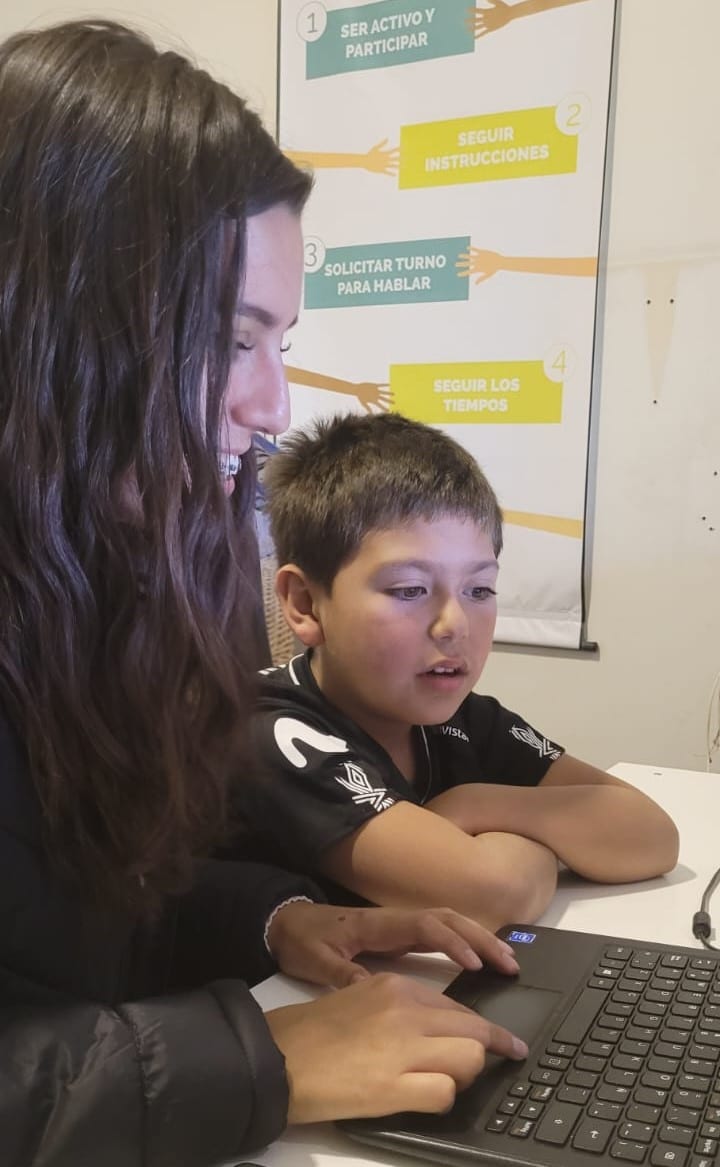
column 521, row 143
column 480, row 392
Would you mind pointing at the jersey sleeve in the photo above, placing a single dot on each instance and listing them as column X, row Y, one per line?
column 314, row 787
column 508, row 749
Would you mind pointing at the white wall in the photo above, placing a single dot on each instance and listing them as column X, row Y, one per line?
column 655, row 569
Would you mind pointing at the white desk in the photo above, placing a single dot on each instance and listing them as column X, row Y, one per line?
column 659, row 909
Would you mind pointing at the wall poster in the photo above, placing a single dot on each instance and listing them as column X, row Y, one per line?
column 452, row 246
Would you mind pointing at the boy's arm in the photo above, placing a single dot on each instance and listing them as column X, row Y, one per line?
column 599, row 826
column 409, row 857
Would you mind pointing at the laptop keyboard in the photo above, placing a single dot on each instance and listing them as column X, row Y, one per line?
column 632, row 1073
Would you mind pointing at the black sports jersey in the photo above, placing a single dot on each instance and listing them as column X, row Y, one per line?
column 322, row 776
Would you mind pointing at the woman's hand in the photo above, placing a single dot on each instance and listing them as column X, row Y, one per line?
column 317, row 942
column 381, row 1046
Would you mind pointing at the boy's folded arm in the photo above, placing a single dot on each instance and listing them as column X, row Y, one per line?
column 599, row 826
column 409, row 857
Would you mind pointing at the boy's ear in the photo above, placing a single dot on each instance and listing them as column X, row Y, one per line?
column 296, row 593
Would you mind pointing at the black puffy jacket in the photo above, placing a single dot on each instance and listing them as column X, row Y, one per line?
column 121, row 1045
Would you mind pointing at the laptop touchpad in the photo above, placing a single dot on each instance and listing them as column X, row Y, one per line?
column 518, row 1008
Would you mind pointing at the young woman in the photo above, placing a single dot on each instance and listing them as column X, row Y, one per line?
column 150, row 267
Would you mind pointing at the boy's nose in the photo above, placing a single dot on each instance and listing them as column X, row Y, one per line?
column 451, row 622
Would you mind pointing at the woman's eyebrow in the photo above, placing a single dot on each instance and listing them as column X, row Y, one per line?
column 262, row 315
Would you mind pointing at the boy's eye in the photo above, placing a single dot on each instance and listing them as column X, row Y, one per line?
column 285, row 348
column 482, row 592
column 412, row 592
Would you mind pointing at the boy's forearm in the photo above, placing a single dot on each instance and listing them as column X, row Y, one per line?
column 520, row 879
column 611, row 834
column 408, row 857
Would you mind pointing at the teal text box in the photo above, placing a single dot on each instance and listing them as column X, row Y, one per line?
column 393, row 32
column 409, row 272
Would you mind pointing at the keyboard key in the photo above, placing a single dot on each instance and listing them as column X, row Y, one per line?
column 531, row 1110
column 673, row 960
column 681, row 1136
column 694, row 1082
column 657, row 1081
column 710, row 1130
column 581, row 1016
column 562, row 1048
column 650, row 1097
column 520, row 1089
column 707, row 1147
column 628, row 1062
column 592, row 1135
column 682, row 1116
column 634, row 1048
column 609, row 1111
column 660, row 996
column 553, row 1062
column 601, row 983
column 674, row 1036
column 608, row 1093
column 498, row 1123
column 621, row 1077
column 703, row 962
column 509, row 1105
column 578, row 1095
column 696, row 1066
column 644, row 960
column 595, row 1065
column 624, row 997
column 521, row 1128
column 668, row 1156
column 639, row 1033
column 606, row 972
column 637, row 1131
column 681, row 1009
column 541, row 1093
column 674, row 1021
column 557, row 1123
column 663, row 1065
column 601, row 1049
column 667, row 1049
column 692, row 1098
column 582, row 1078
column 617, row 952
column 545, row 1077
column 649, row 1114
column 630, row 1152
column 694, row 998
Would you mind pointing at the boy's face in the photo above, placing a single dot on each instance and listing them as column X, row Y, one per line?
column 408, row 625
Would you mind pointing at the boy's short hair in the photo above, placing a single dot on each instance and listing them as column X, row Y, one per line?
column 345, row 476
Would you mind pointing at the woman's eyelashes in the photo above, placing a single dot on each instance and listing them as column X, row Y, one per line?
column 245, row 343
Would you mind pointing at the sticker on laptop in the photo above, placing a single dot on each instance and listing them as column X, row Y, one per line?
column 522, row 937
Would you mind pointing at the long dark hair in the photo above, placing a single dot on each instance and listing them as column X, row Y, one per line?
column 126, row 179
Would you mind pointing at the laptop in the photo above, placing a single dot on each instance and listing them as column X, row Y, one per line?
column 624, row 1062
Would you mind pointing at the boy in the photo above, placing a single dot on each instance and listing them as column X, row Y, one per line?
column 386, row 773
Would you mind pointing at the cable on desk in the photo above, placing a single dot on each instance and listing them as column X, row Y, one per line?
column 702, row 924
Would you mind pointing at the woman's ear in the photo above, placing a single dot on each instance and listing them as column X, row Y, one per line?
column 297, row 595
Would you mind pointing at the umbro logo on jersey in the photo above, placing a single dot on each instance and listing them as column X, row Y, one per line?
column 362, row 790
column 523, row 733
column 288, row 731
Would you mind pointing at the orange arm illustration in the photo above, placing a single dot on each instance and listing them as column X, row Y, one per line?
column 368, row 393
column 482, row 21
column 379, row 159
column 484, row 264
